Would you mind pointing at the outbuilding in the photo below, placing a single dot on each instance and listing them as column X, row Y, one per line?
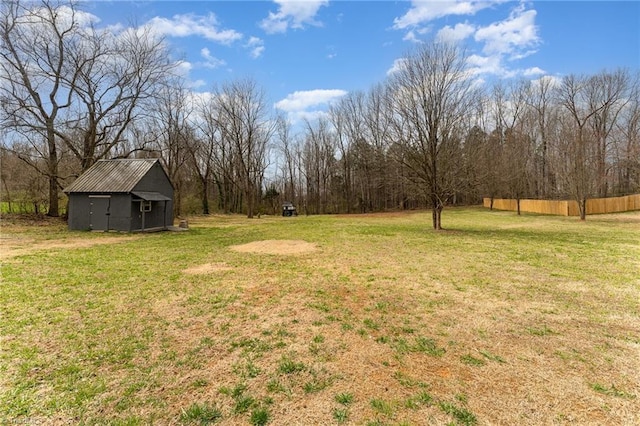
column 121, row 195
column 288, row 209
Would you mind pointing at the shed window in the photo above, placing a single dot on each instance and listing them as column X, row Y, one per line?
column 145, row 206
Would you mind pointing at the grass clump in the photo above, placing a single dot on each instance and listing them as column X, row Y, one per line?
column 421, row 399
column 611, row 391
column 289, row 366
column 345, row 398
column 471, row 360
column 201, row 413
column 428, row 346
column 340, row 415
column 461, row 414
column 259, row 417
column 381, row 406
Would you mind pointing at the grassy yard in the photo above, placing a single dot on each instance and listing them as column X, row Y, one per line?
column 366, row 320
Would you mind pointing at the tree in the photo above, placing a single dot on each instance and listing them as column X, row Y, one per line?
column 627, row 143
column 509, row 104
column 540, row 101
column 432, row 92
column 168, row 131
column 608, row 96
column 116, row 76
column 36, row 41
column 289, row 169
column 583, row 98
column 244, row 121
column 65, row 83
column 319, row 165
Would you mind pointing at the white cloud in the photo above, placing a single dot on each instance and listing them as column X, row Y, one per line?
column 491, row 64
column 530, row 72
column 196, row 84
column 412, row 35
column 183, row 68
column 303, row 100
column 552, row 81
column 397, row 66
column 513, row 36
column 256, row 45
column 425, row 11
column 457, row 33
column 210, row 60
column 66, row 15
column 292, row 14
column 193, row 25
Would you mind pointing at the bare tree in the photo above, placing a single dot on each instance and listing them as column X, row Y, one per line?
column 167, row 130
column 115, row 75
column 580, row 97
column 289, row 169
column 433, row 91
column 244, row 121
column 340, row 117
column 607, row 97
column 540, row 100
column 318, row 165
column 627, row 144
column 66, row 83
column 509, row 104
column 36, row 40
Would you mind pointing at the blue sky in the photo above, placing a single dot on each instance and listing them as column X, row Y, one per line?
column 308, row 53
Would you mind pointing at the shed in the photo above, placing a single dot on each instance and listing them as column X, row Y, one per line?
column 288, row 209
column 122, row 195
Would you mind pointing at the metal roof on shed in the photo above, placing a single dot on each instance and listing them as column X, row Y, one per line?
column 112, row 176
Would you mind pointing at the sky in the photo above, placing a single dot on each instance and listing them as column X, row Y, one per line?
column 308, row 53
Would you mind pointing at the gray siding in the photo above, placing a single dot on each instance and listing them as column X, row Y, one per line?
column 79, row 212
column 92, row 207
column 120, row 218
column 156, row 180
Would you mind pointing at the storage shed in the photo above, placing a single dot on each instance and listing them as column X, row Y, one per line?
column 288, row 209
column 122, row 195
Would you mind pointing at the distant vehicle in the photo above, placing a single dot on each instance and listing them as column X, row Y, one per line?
column 288, row 209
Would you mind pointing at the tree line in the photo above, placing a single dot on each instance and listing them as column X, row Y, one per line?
column 429, row 135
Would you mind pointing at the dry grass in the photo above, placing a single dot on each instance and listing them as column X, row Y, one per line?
column 503, row 320
column 278, row 247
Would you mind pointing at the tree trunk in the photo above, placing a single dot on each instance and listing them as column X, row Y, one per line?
column 250, row 197
column 436, row 213
column 52, row 166
column 205, row 197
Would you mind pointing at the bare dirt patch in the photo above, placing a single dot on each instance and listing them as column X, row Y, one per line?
column 284, row 247
column 207, row 268
column 14, row 247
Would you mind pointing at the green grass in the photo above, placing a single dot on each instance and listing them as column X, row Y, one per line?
column 100, row 328
column 460, row 414
column 202, row 414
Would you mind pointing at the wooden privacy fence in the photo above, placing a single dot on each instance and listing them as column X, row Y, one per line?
column 568, row 207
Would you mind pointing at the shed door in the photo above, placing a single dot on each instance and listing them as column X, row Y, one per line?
column 99, row 212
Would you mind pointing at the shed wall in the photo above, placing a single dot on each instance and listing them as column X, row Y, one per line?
column 78, row 210
column 156, row 218
column 120, row 218
column 156, row 180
